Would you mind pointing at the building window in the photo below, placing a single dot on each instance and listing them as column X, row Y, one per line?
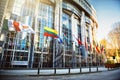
column 45, row 13
column 66, row 30
column 79, row 31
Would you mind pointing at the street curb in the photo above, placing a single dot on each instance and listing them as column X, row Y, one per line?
column 3, row 75
column 51, row 74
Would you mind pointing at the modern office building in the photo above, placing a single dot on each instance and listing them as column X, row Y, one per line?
column 73, row 19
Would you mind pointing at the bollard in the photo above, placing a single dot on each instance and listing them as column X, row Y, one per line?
column 69, row 70
column 97, row 68
column 38, row 71
column 80, row 68
column 89, row 67
column 54, row 70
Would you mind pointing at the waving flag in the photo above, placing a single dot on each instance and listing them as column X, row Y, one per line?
column 50, row 32
column 16, row 26
column 10, row 25
column 60, row 40
column 78, row 40
column 90, row 47
column 27, row 28
column 65, row 38
column 5, row 25
column 102, row 49
column 97, row 48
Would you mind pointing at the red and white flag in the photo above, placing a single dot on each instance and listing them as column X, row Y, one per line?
column 78, row 40
column 27, row 28
column 17, row 26
column 14, row 25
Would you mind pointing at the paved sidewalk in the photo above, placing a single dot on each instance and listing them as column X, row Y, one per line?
column 104, row 75
column 51, row 71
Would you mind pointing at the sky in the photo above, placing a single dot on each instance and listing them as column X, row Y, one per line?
column 108, row 12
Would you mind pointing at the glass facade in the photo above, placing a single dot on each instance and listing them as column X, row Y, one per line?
column 24, row 49
column 15, row 49
column 45, row 18
column 42, row 43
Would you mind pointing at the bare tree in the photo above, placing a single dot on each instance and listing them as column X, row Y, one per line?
column 114, row 36
column 114, row 41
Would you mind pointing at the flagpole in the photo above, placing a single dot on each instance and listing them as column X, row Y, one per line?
column 47, row 46
column 86, row 52
column 41, row 57
column 60, row 9
column 64, row 51
column 91, row 54
column 80, row 57
column 3, row 50
column 96, row 60
column 54, row 53
column 29, row 50
column 41, row 60
column 15, row 43
column 91, row 58
column 64, row 57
